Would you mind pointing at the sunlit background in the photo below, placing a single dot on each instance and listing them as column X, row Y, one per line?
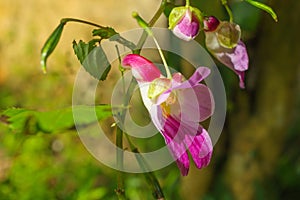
column 257, row 156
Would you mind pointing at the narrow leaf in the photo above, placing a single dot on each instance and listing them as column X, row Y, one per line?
column 264, row 7
column 32, row 122
column 50, row 44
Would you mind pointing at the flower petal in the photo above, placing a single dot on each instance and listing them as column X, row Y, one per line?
column 200, row 147
column 174, row 136
column 200, row 74
column 142, row 69
column 236, row 59
column 179, row 153
column 196, row 104
column 239, row 57
column 241, row 78
column 179, row 136
column 144, row 88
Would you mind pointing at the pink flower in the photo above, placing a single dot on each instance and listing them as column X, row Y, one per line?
column 222, row 39
column 185, row 22
column 176, row 107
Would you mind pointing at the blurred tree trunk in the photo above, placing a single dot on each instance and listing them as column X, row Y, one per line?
column 258, row 132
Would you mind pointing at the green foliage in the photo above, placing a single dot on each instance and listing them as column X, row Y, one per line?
column 112, row 35
column 105, row 32
column 32, row 122
column 92, row 58
column 53, row 166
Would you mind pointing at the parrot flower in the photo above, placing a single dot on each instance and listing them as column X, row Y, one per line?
column 176, row 107
column 184, row 21
column 222, row 39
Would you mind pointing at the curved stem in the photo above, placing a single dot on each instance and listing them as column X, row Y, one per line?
column 155, row 17
column 148, row 31
column 163, row 58
column 225, row 4
column 65, row 20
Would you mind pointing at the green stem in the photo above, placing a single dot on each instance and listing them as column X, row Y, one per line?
column 65, row 20
column 149, row 176
column 155, row 17
column 120, row 191
column 120, row 187
column 163, row 58
column 225, row 4
column 119, row 38
column 187, row 3
column 148, row 31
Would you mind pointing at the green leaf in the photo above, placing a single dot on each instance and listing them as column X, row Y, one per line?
column 104, row 33
column 92, row 58
column 32, row 122
column 264, row 7
column 50, row 44
column 112, row 35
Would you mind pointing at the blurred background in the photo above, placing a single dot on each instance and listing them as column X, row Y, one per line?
column 257, row 156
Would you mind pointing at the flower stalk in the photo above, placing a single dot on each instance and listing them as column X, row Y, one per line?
column 148, row 30
column 225, row 4
column 120, row 191
column 153, row 20
column 187, row 3
column 65, row 20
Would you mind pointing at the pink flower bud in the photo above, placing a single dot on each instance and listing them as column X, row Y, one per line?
column 211, row 23
column 185, row 22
